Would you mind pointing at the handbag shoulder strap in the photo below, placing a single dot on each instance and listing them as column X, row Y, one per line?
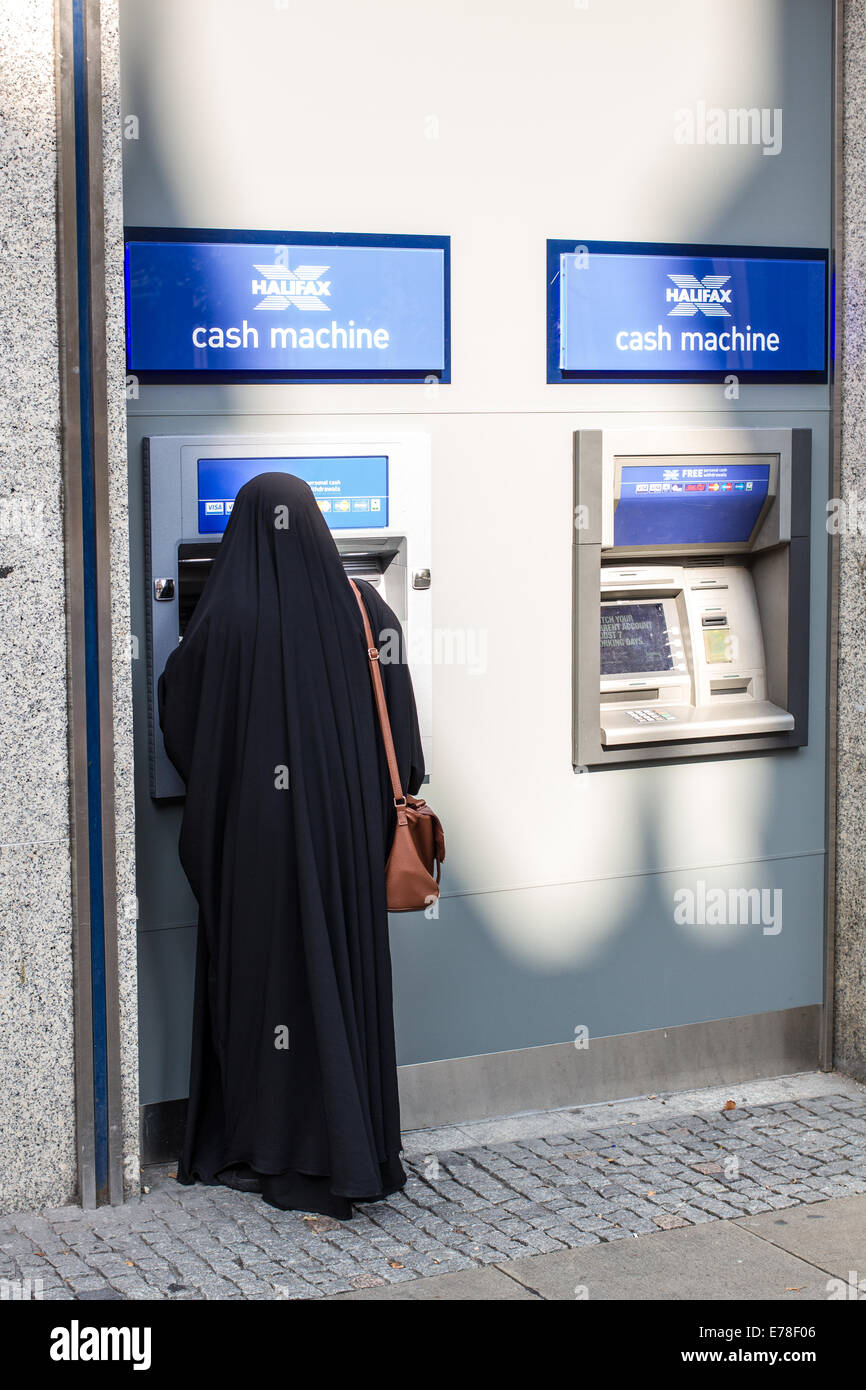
column 381, row 704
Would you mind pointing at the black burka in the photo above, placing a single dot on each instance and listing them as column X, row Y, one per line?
column 268, row 715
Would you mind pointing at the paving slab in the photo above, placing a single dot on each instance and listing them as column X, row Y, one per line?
column 425, row 1141
column 487, row 1284
column 719, row 1261
column 830, row 1235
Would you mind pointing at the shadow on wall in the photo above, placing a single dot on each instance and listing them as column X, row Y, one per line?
column 525, row 967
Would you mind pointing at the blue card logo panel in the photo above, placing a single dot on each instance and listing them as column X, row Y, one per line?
column 702, row 504
column 351, row 490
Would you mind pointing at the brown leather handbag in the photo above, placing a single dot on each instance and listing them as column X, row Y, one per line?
column 414, row 865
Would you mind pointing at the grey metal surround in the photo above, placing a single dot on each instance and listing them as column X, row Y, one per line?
column 780, row 571
column 721, row 1052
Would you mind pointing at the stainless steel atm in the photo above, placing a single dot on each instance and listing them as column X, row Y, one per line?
column 691, row 593
column 374, row 492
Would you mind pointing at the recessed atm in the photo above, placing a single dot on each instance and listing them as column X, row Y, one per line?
column 374, row 492
column 691, row 593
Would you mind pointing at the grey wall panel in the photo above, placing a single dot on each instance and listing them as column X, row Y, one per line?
column 462, row 988
column 166, row 970
column 499, row 972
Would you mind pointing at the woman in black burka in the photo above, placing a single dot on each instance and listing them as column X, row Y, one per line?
column 267, row 712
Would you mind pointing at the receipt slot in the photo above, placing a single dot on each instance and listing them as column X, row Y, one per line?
column 691, row 593
column 374, row 493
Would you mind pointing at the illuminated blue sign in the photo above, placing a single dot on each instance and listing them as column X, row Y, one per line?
column 276, row 306
column 660, row 504
column 619, row 310
column 351, row 490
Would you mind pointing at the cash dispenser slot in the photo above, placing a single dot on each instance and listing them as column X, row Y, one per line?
column 630, row 696
column 730, row 687
column 194, row 563
column 364, row 566
column 374, row 565
column 195, row 560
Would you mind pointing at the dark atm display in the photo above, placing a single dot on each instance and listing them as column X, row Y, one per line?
column 634, row 638
column 701, row 504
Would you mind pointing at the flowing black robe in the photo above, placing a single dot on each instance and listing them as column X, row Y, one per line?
column 267, row 712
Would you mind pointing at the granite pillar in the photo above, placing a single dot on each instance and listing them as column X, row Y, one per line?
column 37, row 1080
column 850, row 926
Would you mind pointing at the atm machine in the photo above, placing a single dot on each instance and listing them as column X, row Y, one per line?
column 691, row 593
column 374, row 493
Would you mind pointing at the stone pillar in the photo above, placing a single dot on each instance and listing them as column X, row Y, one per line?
column 850, row 933
column 38, row 1164
column 125, row 648
column 37, row 1102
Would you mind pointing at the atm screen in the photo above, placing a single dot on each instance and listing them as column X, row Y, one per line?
column 352, row 491
column 697, row 504
column 634, row 638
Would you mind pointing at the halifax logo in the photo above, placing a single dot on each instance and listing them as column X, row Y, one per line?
column 301, row 287
column 693, row 296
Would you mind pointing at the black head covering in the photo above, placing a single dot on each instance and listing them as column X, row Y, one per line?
column 267, row 713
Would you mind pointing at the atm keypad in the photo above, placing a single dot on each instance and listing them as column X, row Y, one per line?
column 649, row 716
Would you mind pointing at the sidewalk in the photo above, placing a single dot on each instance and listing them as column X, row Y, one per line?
column 661, row 1197
column 812, row 1252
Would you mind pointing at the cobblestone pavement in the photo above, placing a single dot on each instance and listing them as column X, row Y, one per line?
column 537, row 1183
